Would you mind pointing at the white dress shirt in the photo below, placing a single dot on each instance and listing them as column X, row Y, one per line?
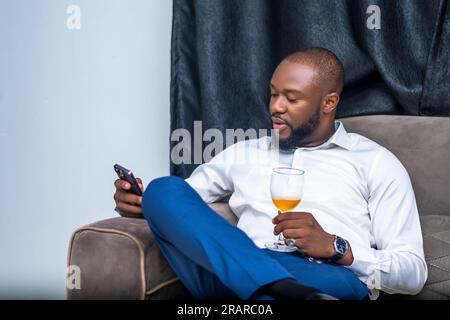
column 354, row 188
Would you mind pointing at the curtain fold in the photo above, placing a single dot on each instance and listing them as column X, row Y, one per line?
column 224, row 52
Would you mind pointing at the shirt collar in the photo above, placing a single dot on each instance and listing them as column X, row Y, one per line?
column 339, row 138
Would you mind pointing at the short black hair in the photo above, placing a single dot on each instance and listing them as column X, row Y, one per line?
column 329, row 67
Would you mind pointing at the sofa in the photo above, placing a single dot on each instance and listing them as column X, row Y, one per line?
column 118, row 258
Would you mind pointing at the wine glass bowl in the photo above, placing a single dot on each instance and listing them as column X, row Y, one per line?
column 286, row 189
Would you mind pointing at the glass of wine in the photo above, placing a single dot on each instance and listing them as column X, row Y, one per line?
column 286, row 189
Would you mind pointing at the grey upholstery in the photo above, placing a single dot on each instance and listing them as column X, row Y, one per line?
column 118, row 258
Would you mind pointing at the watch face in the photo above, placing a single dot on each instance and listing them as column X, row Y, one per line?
column 341, row 245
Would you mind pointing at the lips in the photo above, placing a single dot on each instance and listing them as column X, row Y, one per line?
column 279, row 124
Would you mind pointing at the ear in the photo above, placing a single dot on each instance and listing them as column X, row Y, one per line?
column 330, row 102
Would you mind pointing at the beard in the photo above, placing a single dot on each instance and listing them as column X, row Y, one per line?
column 300, row 133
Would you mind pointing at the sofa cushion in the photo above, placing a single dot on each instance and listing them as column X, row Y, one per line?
column 436, row 236
column 423, row 146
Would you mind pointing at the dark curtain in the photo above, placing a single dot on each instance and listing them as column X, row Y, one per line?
column 224, row 53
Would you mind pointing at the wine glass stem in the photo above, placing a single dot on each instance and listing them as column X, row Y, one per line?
column 280, row 236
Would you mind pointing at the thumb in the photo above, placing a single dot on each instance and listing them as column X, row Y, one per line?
column 125, row 185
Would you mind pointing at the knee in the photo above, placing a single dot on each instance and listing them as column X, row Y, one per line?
column 156, row 193
column 162, row 184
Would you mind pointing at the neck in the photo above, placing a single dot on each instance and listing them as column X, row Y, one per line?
column 323, row 132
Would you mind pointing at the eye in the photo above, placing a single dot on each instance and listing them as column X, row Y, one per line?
column 274, row 95
column 293, row 100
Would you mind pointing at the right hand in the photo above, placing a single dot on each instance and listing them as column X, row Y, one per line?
column 127, row 203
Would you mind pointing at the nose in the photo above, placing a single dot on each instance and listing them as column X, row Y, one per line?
column 278, row 104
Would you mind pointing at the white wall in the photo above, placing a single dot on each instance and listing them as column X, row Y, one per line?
column 73, row 103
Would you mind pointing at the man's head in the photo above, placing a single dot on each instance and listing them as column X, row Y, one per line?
column 305, row 90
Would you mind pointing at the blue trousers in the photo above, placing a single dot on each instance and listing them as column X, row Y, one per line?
column 216, row 260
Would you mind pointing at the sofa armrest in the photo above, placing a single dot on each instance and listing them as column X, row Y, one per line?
column 119, row 259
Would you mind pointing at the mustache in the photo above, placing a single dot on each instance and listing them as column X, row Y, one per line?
column 277, row 118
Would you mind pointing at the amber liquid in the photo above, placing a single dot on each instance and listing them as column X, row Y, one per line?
column 286, row 204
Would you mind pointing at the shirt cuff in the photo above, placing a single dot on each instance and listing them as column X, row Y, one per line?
column 368, row 260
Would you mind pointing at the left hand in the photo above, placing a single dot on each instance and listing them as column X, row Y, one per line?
column 307, row 233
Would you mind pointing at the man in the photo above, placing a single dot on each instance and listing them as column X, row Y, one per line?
column 358, row 213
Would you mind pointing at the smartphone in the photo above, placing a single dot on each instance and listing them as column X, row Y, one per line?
column 127, row 175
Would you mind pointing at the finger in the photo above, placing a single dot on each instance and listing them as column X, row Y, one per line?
column 300, row 244
column 288, row 224
column 290, row 215
column 278, row 214
column 128, row 198
column 122, row 184
column 129, row 210
column 296, row 234
column 141, row 185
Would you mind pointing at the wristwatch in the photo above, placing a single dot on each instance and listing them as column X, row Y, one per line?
column 340, row 248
